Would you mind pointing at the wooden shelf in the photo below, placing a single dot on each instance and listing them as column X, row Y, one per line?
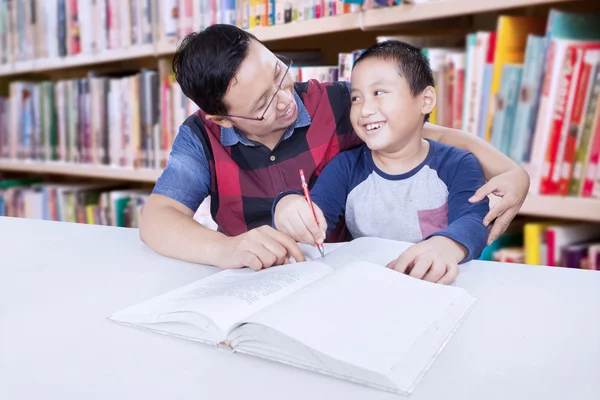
column 82, row 170
column 405, row 13
column 365, row 20
column 559, row 207
column 79, row 60
column 575, row 208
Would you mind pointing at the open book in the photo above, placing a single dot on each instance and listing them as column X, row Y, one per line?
column 345, row 316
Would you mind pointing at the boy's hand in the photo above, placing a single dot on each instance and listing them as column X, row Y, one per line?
column 435, row 260
column 294, row 217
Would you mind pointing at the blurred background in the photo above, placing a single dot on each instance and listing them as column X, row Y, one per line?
column 89, row 106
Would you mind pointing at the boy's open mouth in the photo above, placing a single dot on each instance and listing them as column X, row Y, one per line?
column 374, row 126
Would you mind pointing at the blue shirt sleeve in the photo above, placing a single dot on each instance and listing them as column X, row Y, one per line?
column 330, row 190
column 186, row 177
column 465, row 220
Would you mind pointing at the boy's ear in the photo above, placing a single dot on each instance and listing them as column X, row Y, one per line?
column 429, row 100
column 217, row 119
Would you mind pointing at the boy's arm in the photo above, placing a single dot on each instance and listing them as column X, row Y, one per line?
column 329, row 193
column 505, row 178
column 465, row 220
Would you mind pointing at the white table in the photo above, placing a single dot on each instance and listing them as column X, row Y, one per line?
column 534, row 334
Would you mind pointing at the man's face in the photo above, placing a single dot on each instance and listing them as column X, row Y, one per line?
column 254, row 86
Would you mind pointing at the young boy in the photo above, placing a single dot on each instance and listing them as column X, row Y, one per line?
column 397, row 185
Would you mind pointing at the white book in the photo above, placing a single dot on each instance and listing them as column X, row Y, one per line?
column 345, row 316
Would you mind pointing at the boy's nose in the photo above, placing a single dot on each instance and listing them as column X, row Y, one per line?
column 367, row 111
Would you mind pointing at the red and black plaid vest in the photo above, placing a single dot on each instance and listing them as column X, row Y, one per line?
column 246, row 179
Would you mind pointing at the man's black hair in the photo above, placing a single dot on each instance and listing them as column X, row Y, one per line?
column 205, row 63
column 413, row 66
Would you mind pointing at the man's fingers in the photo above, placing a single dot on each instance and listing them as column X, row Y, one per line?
column 266, row 258
column 422, row 265
column 437, row 270
column 496, row 211
column 249, row 259
column 290, row 245
column 483, row 191
column 450, row 275
column 275, row 248
column 499, row 227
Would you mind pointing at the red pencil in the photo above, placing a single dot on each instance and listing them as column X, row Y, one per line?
column 310, row 203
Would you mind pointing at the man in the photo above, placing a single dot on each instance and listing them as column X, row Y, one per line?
column 254, row 130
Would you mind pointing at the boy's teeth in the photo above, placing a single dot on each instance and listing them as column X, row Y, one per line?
column 370, row 127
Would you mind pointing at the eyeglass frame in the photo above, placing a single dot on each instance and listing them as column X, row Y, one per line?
column 262, row 117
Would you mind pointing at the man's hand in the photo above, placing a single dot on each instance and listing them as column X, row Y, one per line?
column 294, row 217
column 258, row 248
column 512, row 186
column 435, row 260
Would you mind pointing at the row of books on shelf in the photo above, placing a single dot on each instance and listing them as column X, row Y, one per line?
column 548, row 242
column 52, row 29
column 99, row 204
column 87, row 203
column 530, row 88
column 127, row 120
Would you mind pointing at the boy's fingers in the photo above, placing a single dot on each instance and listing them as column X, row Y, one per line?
column 450, row 275
column 421, row 267
column 404, row 261
column 310, row 225
column 322, row 221
column 304, row 234
column 437, row 271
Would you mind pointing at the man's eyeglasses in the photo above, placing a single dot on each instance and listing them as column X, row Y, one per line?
column 288, row 63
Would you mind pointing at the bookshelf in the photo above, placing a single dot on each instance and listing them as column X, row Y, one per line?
column 559, row 207
column 138, row 175
column 369, row 20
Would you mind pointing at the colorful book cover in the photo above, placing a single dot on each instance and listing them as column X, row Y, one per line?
column 470, row 82
column 574, row 127
column 587, row 131
column 512, row 32
column 525, row 116
column 506, row 104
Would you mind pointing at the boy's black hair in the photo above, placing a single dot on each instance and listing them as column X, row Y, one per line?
column 413, row 66
column 205, row 63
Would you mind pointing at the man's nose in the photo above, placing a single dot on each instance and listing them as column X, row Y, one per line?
column 283, row 100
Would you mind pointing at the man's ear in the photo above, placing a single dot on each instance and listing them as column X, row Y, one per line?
column 217, row 119
column 429, row 100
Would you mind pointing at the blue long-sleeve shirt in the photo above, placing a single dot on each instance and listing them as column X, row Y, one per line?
column 431, row 199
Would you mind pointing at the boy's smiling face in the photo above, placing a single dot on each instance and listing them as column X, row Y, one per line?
column 384, row 113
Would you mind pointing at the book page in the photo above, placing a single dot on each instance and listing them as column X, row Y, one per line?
column 371, row 317
column 220, row 301
column 369, row 249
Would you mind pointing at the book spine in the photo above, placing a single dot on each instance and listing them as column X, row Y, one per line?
column 583, row 89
